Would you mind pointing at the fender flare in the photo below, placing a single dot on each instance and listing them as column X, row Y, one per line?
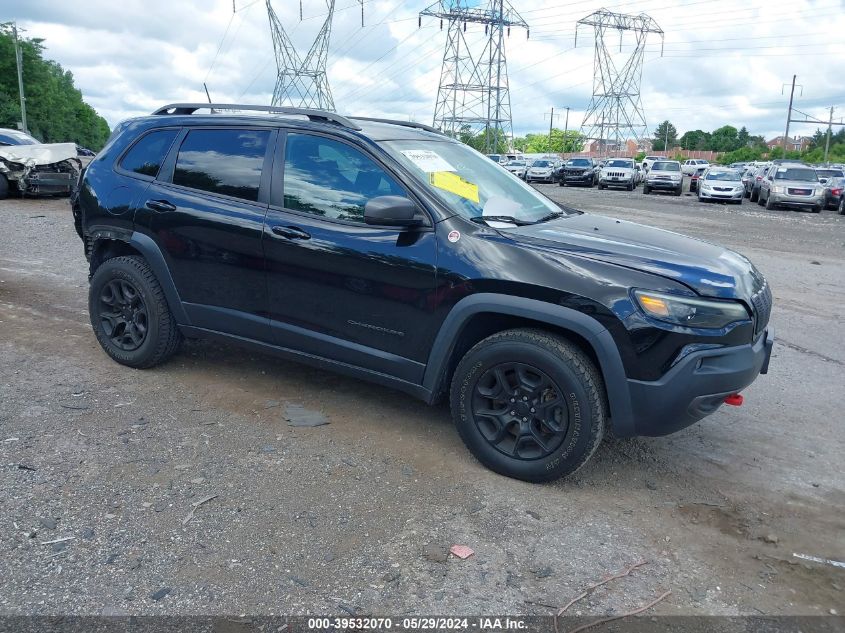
column 145, row 245
column 596, row 335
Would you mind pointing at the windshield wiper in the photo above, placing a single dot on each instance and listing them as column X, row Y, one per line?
column 551, row 216
column 480, row 219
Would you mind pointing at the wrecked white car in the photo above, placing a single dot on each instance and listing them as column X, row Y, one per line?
column 33, row 168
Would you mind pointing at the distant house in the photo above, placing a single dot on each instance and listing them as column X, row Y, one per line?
column 793, row 144
column 608, row 147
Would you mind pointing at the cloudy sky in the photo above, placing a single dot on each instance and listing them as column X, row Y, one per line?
column 723, row 62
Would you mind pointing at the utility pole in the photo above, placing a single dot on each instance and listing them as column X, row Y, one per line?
column 19, row 62
column 789, row 113
column 551, row 116
column 566, row 128
column 666, row 140
column 827, row 141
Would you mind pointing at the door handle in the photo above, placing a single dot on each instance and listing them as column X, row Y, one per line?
column 160, row 205
column 290, row 232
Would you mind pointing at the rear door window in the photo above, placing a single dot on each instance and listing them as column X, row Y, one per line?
column 225, row 162
column 146, row 156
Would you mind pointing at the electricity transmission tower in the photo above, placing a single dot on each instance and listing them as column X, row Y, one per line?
column 302, row 82
column 473, row 96
column 616, row 110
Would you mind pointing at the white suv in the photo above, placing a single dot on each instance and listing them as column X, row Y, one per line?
column 618, row 172
column 691, row 166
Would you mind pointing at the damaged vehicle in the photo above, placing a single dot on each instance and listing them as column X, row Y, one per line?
column 28, row 167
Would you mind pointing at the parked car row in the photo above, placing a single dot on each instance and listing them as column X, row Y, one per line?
column 794, row 185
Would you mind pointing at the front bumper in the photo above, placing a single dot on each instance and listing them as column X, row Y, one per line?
column 617, row 181
column 788, row 200
column 663, row 184
column 540, row 177
column 578, row 179
column 697, row 385
column 721, row 195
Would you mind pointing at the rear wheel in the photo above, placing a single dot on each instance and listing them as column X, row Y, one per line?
column 842, row 206
column 130, row 315
column 754, row 196
column 529, row 404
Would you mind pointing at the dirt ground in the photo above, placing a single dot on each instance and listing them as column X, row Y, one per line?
column 356, row 516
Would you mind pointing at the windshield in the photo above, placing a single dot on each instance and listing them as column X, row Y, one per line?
column 627, row 164
column 516, row 163
column 469, row 183
column 796, row 173
column 829, row 173
column 732, row 176
column 666, row 166
column 578, row 162
column 13, row 137
column 541, row 163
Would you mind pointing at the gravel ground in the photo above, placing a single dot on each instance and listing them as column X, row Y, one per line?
column 357, row 516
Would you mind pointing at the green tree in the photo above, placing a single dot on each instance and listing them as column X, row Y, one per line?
column 725, row 139
column 695, row 140
column 663, row 132
column 55, row 110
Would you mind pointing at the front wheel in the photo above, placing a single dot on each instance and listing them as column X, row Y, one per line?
column 529, row 404
column 646, row 189
column 769, row 204
column 130, row 315
column 679, row 190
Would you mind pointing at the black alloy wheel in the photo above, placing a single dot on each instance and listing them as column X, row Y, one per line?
column 519, row 410
column 123, row 314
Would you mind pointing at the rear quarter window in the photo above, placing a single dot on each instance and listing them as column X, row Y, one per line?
column 147, row 154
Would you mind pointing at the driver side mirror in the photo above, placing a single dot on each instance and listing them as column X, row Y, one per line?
column 392, row 211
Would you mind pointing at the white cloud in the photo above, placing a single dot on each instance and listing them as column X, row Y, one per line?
column 723, row 63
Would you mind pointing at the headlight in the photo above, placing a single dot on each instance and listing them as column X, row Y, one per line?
column 675, row 176
column 819, row 191
column 705, row 186
column 689, row 311
column 777, row 189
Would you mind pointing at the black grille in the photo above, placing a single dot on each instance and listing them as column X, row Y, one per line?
column 762, row 302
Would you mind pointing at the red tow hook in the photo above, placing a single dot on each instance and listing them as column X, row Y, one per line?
column 735, row 400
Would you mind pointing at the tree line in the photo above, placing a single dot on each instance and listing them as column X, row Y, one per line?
column 55, row 110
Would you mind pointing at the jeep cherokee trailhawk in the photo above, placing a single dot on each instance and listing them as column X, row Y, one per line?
column 393, row 253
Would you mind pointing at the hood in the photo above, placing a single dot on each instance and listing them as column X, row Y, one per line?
column 709, row 269
column 43, row 154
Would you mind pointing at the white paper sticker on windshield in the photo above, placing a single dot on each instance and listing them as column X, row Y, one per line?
column 428, row 160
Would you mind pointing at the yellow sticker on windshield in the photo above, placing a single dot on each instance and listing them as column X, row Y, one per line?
column 453, row 183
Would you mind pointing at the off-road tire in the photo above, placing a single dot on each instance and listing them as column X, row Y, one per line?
column 842, row 206
column 817, row 209
column 601, row 185
column 574, row 378
column 4, row 187
column 646, row 190
column 162, row 338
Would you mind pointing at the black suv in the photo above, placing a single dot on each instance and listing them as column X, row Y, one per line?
column 578, row 171
column 390, row 252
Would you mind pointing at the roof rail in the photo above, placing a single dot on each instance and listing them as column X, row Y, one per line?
column 313, row 115
column 419, row 126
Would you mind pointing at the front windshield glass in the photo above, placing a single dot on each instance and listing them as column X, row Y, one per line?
column 13, row 137
column 723, row 175
column 516, row 163
column 666, row 166
column 469, row 183
column 796, row 173
column 541, row 163
column 578, row 162
column 627, row 164
column 829, row 173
